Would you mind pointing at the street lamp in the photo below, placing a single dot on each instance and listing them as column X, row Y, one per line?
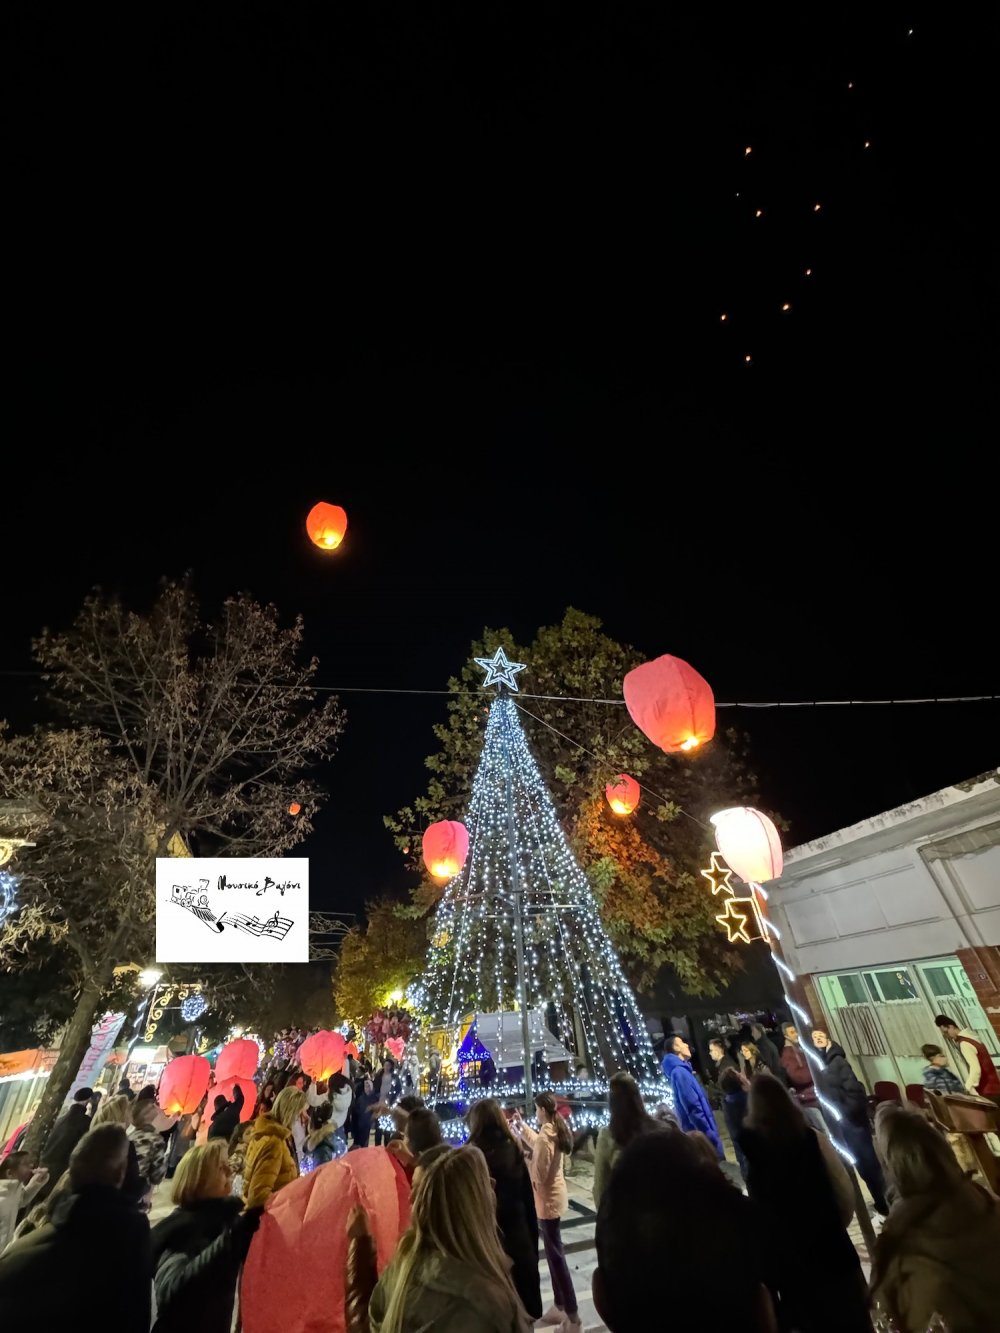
column 149, row 976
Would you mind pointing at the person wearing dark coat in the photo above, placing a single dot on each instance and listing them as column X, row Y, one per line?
column 65, row 1134
column 839, row 1084
column 364, row 1100
column 802, row 1197
column 45, row 1278
column 720, row 1057
column 734, row 1088
column 516, row 1215
column 198, row 1249
column 768, row 1052
column 226, row 1115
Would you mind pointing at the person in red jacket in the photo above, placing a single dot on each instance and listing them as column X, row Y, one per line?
column 795, row 1063
column 981, row 1078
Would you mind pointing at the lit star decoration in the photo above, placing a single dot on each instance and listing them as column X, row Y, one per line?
column 499, row 671
column 734, row 922
column 718, row 875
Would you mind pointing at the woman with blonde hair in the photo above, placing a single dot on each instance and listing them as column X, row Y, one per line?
column 449, row 1272
column 198, row 1249
column 937, row 1252
column 270, row 1160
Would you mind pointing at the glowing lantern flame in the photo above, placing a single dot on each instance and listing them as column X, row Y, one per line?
column 294, row 808
column 749, row 843
column 671, row 703
column 183, row 1084
column 445, row 847
column 326, row 525
column 622, row 794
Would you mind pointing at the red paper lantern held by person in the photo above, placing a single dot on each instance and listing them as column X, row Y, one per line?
column 239, row 1059
column 249, row 1089
column 622, row 794
column 183, row 1084
column 322, row 1055
column 445, row 847
column 326, row 525
column 671, row 704
column 749, row 844
column 351, row 1049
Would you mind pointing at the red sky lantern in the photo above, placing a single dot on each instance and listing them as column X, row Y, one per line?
column 670, row 703
column 239, row 1059
column 294, row 809
column 326, row 525
column 622, row 794
column 183, row 1084
column 322, row 1055
column 352, row 1050
column 249, row 1089
column 749, row 844
column 445, row 847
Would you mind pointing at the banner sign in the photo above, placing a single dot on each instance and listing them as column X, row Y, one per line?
column 232, row 910
column 103, row 1036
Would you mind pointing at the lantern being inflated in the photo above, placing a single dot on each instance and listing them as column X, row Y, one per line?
column 322, row 1055
column 749, row 844
column 326, row 525
column 249, row 1089
column 239, row 1059
column 622, row 794
column 445, row 847
column 670, row 703
column 183, row 1084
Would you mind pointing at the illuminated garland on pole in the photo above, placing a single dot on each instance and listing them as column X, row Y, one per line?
column 521, row 871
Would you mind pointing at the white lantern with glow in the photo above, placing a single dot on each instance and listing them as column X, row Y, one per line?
column 749, row 844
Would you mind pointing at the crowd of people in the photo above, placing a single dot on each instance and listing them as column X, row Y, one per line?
column 681, row 1242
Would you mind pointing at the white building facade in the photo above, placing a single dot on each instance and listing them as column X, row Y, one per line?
column 896, row 919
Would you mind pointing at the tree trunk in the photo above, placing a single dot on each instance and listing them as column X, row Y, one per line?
column 72, row 1049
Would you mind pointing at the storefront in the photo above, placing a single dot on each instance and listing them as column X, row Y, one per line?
column 897, row 919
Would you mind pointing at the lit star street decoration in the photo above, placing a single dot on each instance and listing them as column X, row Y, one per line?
column 499, row 671
column 718, row 875
column 734, row 922
column 739, row 912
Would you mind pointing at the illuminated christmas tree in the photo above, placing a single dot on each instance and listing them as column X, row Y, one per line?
column 518, row 932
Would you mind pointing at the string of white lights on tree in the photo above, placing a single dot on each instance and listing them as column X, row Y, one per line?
column 572, row 972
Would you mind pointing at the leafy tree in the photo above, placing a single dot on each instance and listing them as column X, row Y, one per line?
column 383, row 957
column 36, row 1001
column 186, row 733
column 645, row 868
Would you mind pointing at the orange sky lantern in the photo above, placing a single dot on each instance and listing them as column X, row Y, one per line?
column 237, row 1059
column 445, row 847
column 322, row 1055
column 623, row 794
column 749, row 843
column 671, row 704
column 183, row 1084
column 326, row 525
column 294, row 808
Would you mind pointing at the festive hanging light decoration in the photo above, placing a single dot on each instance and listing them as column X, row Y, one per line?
column 183, row 1084
column 622, row 794
column 8, row 895
column 249, row 1089
column 321, row 1055
column 294, row 809
column 750, row 843
column 670, row 703
column 445, row 847
column 326, row 525
column 718, row 875
column 395, row 1046
column 193, row 1006
column 238, row 1059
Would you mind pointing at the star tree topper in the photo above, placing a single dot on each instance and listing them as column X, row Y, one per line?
column 499, row 671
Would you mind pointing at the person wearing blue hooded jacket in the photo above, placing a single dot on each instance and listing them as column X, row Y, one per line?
column 690, row 1103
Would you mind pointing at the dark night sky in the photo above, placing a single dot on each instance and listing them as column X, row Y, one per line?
column 462, row 273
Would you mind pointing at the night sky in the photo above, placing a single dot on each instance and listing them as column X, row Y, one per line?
column 463, row 273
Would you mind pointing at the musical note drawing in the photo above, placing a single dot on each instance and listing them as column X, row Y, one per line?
column 195, row 901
